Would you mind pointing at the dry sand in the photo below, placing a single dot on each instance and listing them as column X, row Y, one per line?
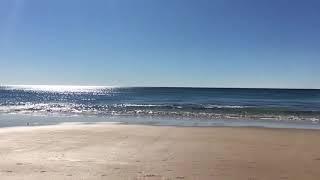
column 120, row 152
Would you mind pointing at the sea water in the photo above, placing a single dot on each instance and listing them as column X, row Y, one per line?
column 160, row 106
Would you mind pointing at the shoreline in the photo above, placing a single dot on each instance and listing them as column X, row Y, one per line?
column 21, row 120
column 89, row 124
column 118, row 151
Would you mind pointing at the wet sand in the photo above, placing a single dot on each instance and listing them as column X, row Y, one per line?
column 120, row 152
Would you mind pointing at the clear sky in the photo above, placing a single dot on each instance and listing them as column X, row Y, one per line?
column 215, row 43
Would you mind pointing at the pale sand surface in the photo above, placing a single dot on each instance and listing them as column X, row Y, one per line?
column 147, row 152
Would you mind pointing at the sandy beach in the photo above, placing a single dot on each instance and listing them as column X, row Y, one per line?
column 110, row 151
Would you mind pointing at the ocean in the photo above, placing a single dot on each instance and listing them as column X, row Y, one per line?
column 159, row 105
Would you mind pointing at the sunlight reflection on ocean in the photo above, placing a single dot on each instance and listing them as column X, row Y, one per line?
column 196, row 103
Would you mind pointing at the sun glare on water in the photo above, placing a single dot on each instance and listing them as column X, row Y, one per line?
column 58, row 88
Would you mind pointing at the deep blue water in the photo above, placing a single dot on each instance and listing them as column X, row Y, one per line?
column 196, row 103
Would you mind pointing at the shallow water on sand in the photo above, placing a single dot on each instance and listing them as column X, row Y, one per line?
column 12, row 120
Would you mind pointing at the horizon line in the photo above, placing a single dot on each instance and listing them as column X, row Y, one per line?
column 119, row 86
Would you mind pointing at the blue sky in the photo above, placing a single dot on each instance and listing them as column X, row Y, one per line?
column 215, row 43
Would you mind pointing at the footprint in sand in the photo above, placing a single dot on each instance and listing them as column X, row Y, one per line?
column 180, row 177
column 150, row 175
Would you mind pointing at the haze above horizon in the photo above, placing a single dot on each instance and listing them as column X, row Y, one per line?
column 167, row 43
